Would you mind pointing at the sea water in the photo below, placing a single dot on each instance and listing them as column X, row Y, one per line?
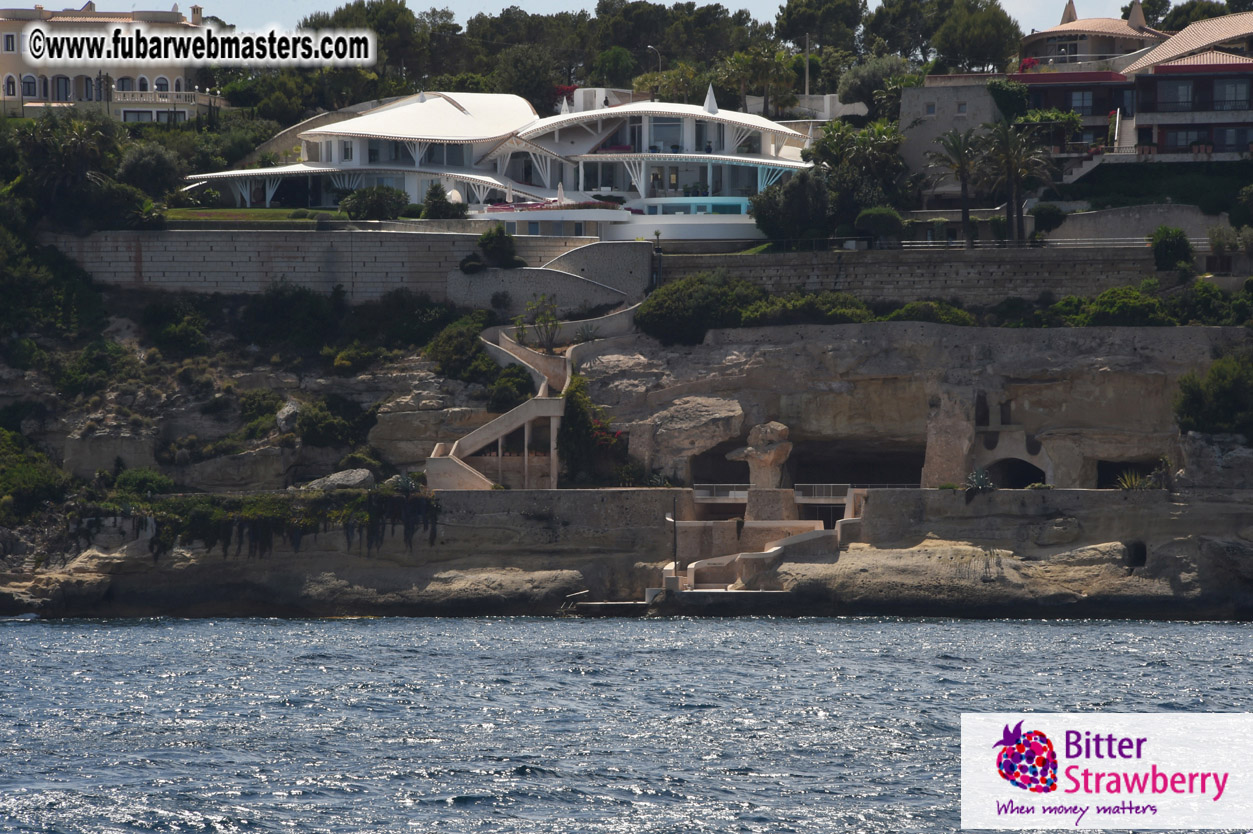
column 538, row 725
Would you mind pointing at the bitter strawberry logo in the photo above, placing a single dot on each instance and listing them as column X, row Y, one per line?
column 1027, row 760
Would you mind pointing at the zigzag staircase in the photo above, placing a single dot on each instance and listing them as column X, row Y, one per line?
column 447, row 469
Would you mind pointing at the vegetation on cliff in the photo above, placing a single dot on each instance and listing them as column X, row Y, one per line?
column 1221, row 400
column 683, row 311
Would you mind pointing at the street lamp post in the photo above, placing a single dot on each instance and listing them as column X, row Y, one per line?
column 655, row 86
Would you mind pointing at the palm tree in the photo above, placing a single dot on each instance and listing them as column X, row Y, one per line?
column 958, row 157
column 737, row 70
column 1012, row 156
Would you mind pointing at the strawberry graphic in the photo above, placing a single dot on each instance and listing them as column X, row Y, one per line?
column 1027, row 760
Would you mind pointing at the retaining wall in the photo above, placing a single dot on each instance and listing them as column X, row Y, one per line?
column 977, row 277
column 570, row 292
column 367, row 263
column 1138, row 221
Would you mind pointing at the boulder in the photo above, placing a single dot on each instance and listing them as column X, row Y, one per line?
column 286, row 416
column 348, row 479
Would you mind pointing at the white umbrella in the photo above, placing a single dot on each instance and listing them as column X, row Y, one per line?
column 561, row 193
column 509, row 193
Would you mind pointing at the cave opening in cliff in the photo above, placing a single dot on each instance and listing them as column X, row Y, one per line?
column 821, row 462
column 859, row 463
column 1015, row 473
column 1109, row 471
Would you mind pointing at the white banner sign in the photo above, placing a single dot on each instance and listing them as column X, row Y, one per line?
column 1117, row 770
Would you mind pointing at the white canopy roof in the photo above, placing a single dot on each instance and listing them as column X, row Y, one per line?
column 657, row 108
column 456, row 118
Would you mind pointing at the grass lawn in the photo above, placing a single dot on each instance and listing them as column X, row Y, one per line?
column 240, row 215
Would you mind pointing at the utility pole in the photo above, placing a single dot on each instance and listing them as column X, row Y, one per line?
column 806, row 63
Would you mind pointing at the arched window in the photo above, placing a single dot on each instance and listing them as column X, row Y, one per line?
column 89, row 89
column 43, row 87
column 178, row 85
column 125, row 84
column 28, row 86
column 162, row 85
column 143, row 83
column 61, row 88
column 10, row 87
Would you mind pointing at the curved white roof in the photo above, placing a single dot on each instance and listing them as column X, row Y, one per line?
column 656, row 108
column 456, row 118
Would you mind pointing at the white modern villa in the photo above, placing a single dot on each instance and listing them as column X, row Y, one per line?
column 690, row 168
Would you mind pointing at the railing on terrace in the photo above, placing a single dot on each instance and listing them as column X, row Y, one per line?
column 831, row 491
column 1199, row 245
column 821, row 490
column 721, row 490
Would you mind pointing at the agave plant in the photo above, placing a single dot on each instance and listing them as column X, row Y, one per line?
column 977, row 482
column 1133, row 480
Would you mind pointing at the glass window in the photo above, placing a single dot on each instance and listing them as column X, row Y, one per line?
column 28, row 86
column 930, row 108
column 1081, row 102
column 125, row 84
column 163, row 86
column 178, row 85
column 10, row 43
column 61, row 88
column 1173, row 95
column 666, row 135
column 1231, row 94
column 961, row 108
column 10, row 87
column 89, row 89
column 532, row 227
column 1182, row 140
column 347, row 151
column 143, row 84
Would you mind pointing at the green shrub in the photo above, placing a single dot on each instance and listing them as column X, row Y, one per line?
column 299, row 214
column 351, row 359
column 363, row 457
column 437, row 207
column 400, row 319
column 176, row 327
column 27, row 479
column 93, row 368
column 498, row 246
column 1170, row 246
column 1125, row 307
column 1221, row 401
column 682, row 311
column 286, row 314
column 258, row 403
column 806, row 308
column 937, row 312
column 880, row 222
column 1047, row 217
column 376, row 202
column 511, row 389
column 412, row 210
column 589, row 449
column 459, row 352
column 142, row 482
column 333, row 421
column 472, row 264
column 1223, row 240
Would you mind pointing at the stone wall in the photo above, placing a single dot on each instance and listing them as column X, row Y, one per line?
column 623, row 265
column 367, row 263
column 977, row 277
column 1025, row 520
column 1137, row 221
column 584, row 522
column 571, row 292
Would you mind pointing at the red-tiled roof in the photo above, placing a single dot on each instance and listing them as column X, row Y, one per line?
column 1196, row 37
column 1108, row 26
column 1209, row 58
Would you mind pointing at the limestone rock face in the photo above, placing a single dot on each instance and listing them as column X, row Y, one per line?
column 85, row 454
column 269, row 467
column 286, row 416
column 691, row 425
column 1215, row 462
column 919, row 402
column 409, row 426
column 348, row 479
